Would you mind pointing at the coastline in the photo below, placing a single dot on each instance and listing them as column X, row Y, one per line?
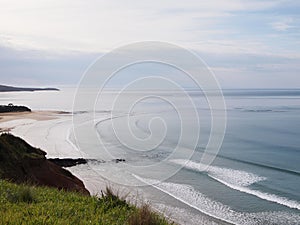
column 14, row 123
column 21, row 124
column 35, row 115
column 27, row 176
column 38, row 128
column 51, row 130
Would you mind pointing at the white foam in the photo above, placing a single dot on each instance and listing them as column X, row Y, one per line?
column 189, row 196
column 239, row 180
column 231, row 176
column 69, row 138
column 202, row 203
column 266, row 196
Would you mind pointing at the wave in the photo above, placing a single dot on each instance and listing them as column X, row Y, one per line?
column 262, row 110
column 189, row 196
column 193, row 198
column 266, row 196
column 69, row 139
column 235, row 177
column 262, row 165
column 238, row 180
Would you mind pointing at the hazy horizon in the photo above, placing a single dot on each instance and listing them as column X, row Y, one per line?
column 246, row 44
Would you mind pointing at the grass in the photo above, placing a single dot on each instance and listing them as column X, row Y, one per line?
column 13, row 152
column 24, row 194
column 23, row 204
column 144, row 215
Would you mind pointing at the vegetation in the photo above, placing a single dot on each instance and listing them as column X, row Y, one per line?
column 13, row 108
column 20, row 162
column 64, row 201
column 22, row 204
column 14, row 152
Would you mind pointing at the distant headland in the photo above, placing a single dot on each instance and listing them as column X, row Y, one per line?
column 4, row 88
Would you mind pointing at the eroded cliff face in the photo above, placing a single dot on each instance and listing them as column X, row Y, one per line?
column 22, row 163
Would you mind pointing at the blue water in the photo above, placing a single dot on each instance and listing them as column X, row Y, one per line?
column 254, row 179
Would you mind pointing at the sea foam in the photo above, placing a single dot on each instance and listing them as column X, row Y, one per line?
column 238, row 180
column 234, row 177
column 193, row 198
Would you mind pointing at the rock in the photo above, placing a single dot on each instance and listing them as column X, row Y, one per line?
column 119, row 160
column 68, row 162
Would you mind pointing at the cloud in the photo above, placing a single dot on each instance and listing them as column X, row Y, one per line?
column 283, row 25
column 67, row 25
column 28, row 67
column 55, row 40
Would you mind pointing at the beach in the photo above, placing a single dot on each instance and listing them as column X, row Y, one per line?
column 50, row 130
column 39, row 128
column 36, row 115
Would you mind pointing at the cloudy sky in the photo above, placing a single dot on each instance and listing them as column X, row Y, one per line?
column 253, row 44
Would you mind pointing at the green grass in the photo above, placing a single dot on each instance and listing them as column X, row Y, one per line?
column 22, row 204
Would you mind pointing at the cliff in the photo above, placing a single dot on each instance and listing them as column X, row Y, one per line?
column 22, row 163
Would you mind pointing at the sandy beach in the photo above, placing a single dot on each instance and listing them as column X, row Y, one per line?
column 36, row 115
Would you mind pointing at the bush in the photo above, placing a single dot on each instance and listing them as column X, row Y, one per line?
column 111, row 200
column 23, row 194
column 146, row 216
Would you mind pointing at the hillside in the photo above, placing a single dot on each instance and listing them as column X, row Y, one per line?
column 21, row 204
column 4, row 88
column 65, row 201
column 22, row 163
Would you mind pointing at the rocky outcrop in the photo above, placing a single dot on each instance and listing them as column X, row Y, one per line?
column 68, row 162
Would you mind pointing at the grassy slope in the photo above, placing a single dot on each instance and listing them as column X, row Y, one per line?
column 21, row 204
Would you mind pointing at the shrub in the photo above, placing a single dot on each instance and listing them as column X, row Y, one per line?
column 111, row 200
column 23, row 194
column 144, row 215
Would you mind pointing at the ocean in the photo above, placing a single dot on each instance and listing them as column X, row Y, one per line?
column 253, row 179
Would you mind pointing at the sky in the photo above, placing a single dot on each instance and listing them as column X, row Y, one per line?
column 247, row 44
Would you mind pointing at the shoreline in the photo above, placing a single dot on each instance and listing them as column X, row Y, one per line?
column 36, row 115
column 13, row 122
column 34, row 129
